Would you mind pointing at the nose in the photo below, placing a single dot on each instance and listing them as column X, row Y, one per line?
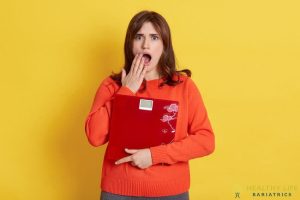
column 146, row 43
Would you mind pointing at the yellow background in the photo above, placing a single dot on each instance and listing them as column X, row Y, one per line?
column 244, row 56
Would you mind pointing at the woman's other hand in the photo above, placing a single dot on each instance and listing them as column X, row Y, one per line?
column 140, row 158
column 134, row 78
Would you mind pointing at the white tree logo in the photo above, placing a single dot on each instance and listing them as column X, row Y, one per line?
column 172, row 109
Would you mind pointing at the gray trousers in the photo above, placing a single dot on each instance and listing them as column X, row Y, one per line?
column 111, row 196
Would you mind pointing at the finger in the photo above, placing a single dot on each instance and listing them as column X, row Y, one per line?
column 132, row 163
column 134, row 62
column 135, row 59
column 138, row 62
column 123, row 74
column 143, row 73
column 131, row 150
column 140, row 67
column 123, row 160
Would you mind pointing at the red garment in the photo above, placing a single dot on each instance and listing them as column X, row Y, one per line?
column 169, row 174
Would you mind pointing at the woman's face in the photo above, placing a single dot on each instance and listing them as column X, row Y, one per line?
column 148, row 41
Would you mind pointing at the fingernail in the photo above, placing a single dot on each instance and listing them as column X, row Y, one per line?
column 116, row 163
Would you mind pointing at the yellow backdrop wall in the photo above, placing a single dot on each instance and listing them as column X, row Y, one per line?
column 244, row 56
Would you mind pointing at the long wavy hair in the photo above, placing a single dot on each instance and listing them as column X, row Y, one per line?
column 166, row 64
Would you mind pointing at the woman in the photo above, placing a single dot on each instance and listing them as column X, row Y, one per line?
column 158, row 172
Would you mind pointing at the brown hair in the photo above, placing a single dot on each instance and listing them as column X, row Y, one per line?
column 166, row 63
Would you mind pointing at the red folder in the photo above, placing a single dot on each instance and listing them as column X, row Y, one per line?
column 138, row 123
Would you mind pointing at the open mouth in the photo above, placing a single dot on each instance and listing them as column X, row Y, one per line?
column 147, row 58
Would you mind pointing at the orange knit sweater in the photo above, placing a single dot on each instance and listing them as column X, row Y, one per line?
column 169, row 174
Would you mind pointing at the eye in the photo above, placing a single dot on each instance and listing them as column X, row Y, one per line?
column 137, row 37
column 154, row 37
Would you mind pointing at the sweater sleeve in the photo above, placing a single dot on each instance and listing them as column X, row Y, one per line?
column 200, row 137
column 97, row 121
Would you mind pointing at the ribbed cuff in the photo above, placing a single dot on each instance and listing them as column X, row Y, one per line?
column 158, row 154
column 125, row 91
